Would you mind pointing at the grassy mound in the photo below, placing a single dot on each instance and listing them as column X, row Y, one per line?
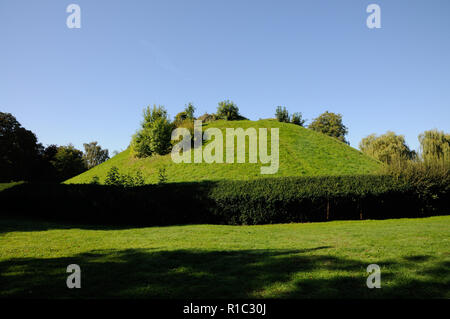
column 303, row 152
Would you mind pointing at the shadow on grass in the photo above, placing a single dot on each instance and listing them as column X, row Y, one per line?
column 146, row 273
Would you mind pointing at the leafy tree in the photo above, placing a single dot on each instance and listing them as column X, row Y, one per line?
column 154, row 137
column 113, row 177
column 68, row 162
column 139, row 179
column 180, row 118
column 47, row 169
column 20, row 151
column 189, row 110
column 282, row 114
column 95, row 180
column 388, row 148
column 297, row 119
column 94, row 154
column 435, row 145
column 229, row 111
column 187, row 116
column 330, row 124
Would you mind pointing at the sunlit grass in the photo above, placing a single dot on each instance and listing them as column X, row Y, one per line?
column 303, row 152
column 319, row 260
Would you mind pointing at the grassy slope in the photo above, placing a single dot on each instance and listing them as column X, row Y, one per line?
column 302, row 152
column 272, row 261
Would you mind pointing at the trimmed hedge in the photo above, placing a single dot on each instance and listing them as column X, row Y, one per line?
column 260, row 201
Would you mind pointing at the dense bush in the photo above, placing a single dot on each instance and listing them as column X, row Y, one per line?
column 154, row 137
column 297, row 119
column 205, row 118
column 330, row 124
column 429, row 178
column 388, row 148
column 115, row 178
column 229, row 111
column 261, row 201
column 282, row 114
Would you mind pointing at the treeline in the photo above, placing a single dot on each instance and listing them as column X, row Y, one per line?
column 261, row 201
column 154, row 135
column 22, row 158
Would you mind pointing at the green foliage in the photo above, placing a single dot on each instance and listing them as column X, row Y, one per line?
column 95, row 180
column 180, row 118
column 387, row 148
column 139, row 179
column 435, row 146
column 68, row 162
column 297, row 119
column 94, row 154
column 205, row 118
column 115, row 178
column 154, row 135
column 330, row 124
column 229, row 111
column 429, row 178
column 19, row 150
column 162, row 176
column 261, row 201
column 189, row 110
column 281, row 114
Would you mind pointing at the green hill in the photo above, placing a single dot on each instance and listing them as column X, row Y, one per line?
column 303, row 152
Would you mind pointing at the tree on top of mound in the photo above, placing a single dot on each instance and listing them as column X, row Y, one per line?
column 330, row 124
column 229, row 111
column 154, row 136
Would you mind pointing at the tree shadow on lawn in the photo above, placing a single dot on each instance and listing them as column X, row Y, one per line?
column 194, row 274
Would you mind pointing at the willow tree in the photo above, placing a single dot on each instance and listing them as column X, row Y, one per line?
column 387, row 148
column 435, row 145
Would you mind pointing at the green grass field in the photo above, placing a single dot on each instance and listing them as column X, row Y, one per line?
column 318, row 260
column 303, row 152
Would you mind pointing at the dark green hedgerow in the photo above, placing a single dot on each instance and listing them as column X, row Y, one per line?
column 262, row 201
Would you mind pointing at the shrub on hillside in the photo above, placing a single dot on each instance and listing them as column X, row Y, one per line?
column 297, row 119
column 154, row 137
column 330, row 124
column 229, row 111
column 281, row 114
column 205, row 118
column 115, row 178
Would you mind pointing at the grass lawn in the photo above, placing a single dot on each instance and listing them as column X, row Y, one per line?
column 320, row 260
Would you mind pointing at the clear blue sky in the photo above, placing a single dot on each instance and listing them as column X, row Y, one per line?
column 80, row 85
